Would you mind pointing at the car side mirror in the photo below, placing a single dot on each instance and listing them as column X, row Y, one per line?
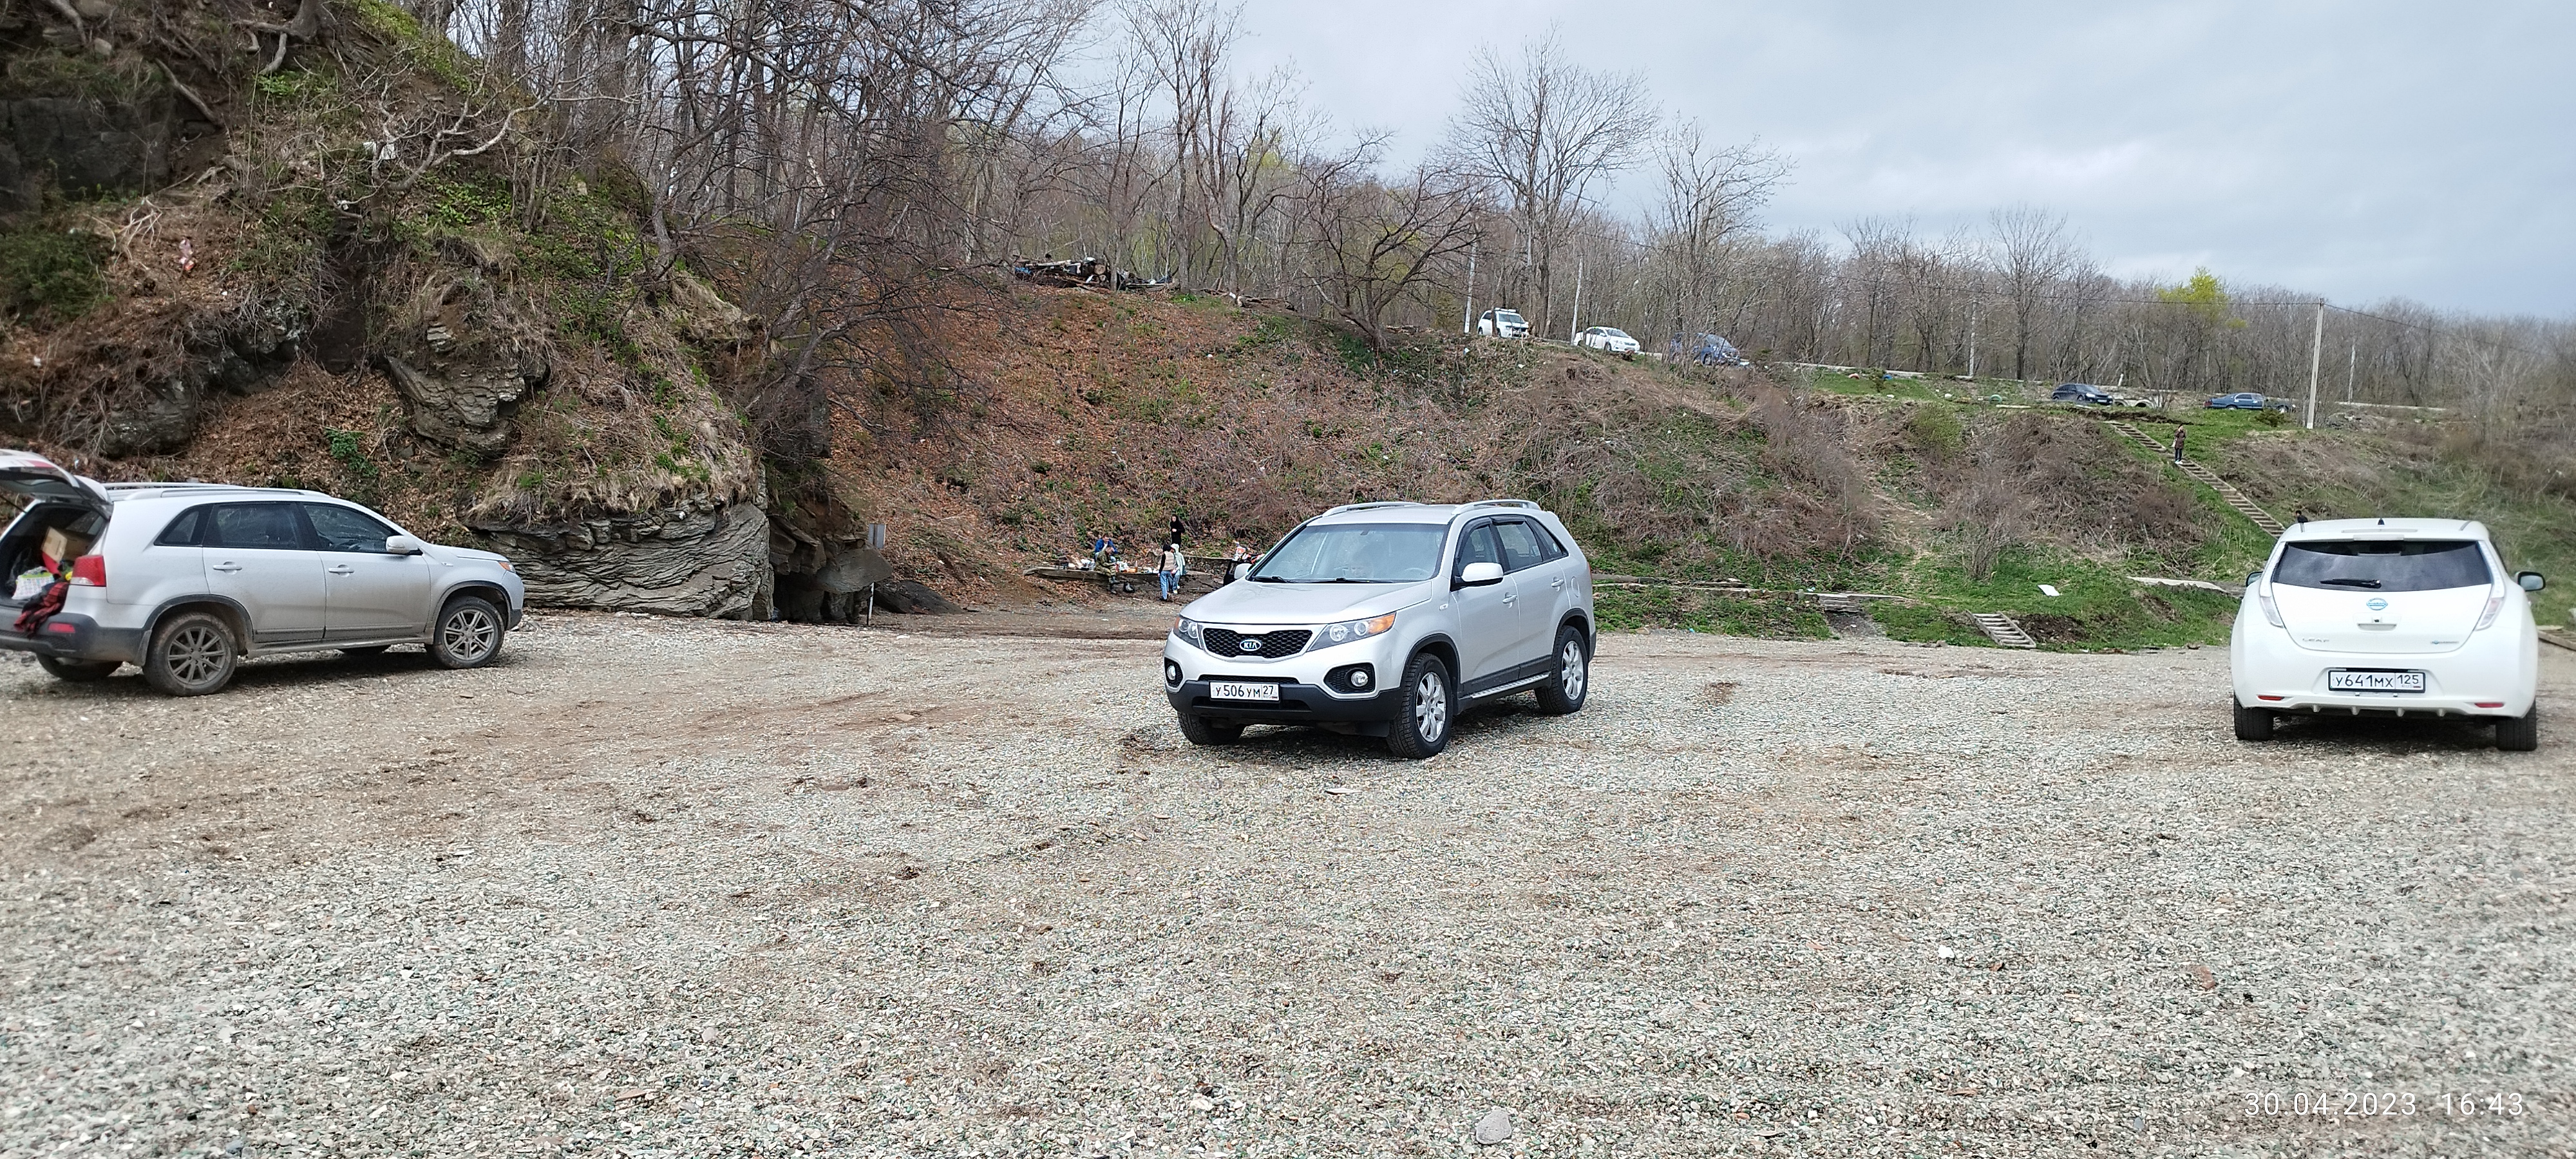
column 1479, row 574
column 402, row 545
column 2253, row 578
column 1239, row 571
column 2531, row 581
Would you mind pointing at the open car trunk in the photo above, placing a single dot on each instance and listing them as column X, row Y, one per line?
column 63, row 515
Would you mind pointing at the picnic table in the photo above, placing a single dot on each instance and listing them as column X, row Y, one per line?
column 1207, row 573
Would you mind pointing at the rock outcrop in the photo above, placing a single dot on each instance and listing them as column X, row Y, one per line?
column 702, row 559
column 82, row 145
column 145, row 376
column 464, row 357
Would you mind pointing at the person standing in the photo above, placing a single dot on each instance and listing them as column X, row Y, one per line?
column 2177, row 444
column 1175, row 537
column 1176, row 566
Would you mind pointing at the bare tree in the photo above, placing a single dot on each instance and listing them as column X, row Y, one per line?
column 1370, row 243
column 1545, row 131
column 1709, row 197
column 2030, row 252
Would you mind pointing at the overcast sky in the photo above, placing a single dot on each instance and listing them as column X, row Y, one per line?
column 2359, row 150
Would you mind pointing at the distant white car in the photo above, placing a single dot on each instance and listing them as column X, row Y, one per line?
column 1503, row 323
column 1607, row 338
column 2388, row 617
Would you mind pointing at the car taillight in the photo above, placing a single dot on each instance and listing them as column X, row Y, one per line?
column 2271, row 611
column 2495, row 604
column 90, row 571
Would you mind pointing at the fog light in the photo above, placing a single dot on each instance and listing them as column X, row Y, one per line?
column 1360, row 679
column 1171, row 672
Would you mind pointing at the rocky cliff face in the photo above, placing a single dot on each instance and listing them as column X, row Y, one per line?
column 702, row 558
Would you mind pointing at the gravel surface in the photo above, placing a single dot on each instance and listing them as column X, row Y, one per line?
column 684, row 888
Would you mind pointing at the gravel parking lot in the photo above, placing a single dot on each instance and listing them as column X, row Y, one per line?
column 685, row 888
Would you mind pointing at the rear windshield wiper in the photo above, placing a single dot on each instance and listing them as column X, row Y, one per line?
column 2349, row 582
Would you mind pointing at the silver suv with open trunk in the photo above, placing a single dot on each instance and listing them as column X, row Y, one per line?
column 1385, row 619
column 187, row 579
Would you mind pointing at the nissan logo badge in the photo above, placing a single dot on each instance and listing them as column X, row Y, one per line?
column 1251, row 643
column 2376, row 604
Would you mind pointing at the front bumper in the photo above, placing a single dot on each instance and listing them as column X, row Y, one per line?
column 1303, row 695
column 73, row 636
column 1297, row 703
column 2494, row 675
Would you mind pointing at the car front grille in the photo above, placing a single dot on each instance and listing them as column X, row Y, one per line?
column 1274, row 645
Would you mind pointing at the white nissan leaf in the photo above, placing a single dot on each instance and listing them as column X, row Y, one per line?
column 2388, row 617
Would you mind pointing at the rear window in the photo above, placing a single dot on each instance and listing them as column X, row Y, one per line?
column 2416, row 565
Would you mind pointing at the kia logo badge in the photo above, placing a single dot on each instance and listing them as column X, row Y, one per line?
column 2376, row 604
column 1253, row 644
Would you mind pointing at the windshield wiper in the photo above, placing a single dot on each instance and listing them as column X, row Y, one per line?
column 1271, row 579
column 2349, row 582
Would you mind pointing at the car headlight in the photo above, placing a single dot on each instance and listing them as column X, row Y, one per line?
column 1349, row 630
column 1188, row 630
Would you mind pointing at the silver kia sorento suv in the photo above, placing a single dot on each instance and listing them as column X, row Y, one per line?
column 187, row 579
column 1386, row 619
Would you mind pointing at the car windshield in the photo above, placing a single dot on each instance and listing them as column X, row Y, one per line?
column 2418, row 565
column 1614, row 332
column 1356, row 553
column 1509, row 315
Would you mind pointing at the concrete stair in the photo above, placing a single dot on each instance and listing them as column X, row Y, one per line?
column 2001, row 629
column 2235, row 498
column 2205, row 477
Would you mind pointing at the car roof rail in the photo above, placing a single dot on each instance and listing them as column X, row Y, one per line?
column 1502, row 503
column 1372, row 506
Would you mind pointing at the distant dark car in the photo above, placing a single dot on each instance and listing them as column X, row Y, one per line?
column 2078, row 392
column 2246, row 400
column 1709, row 350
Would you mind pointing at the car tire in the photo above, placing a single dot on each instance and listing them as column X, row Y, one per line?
column 468, row 633
column 192, row 654
column 78, row 671
column 1426, row 709
column 1563, row 693
column 2253, row 724
column 2519, row 734
column 1199, row 730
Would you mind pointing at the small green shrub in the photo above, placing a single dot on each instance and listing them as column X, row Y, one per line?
column 53, row 273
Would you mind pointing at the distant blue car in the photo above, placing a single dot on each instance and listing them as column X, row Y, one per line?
column 1710, row 350
column 2079, row 392
column 2245, row 400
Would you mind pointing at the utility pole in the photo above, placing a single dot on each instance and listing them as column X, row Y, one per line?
column 1577, row 326
column 1468, row 327
column 2316, row 352
column 1972, row 338
column 2350, row 353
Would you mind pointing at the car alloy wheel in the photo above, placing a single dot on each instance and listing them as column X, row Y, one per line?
column 469, row 632
column 1431, row 708
column 198, row 654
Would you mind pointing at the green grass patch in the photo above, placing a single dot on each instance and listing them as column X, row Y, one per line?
column 2097, row 605
column 1695, row 610
column 52, row 273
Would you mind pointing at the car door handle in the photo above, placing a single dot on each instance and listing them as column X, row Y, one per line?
column 1509, row 597
column 227, row 565
column 341, row 569
column 1558, row 582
